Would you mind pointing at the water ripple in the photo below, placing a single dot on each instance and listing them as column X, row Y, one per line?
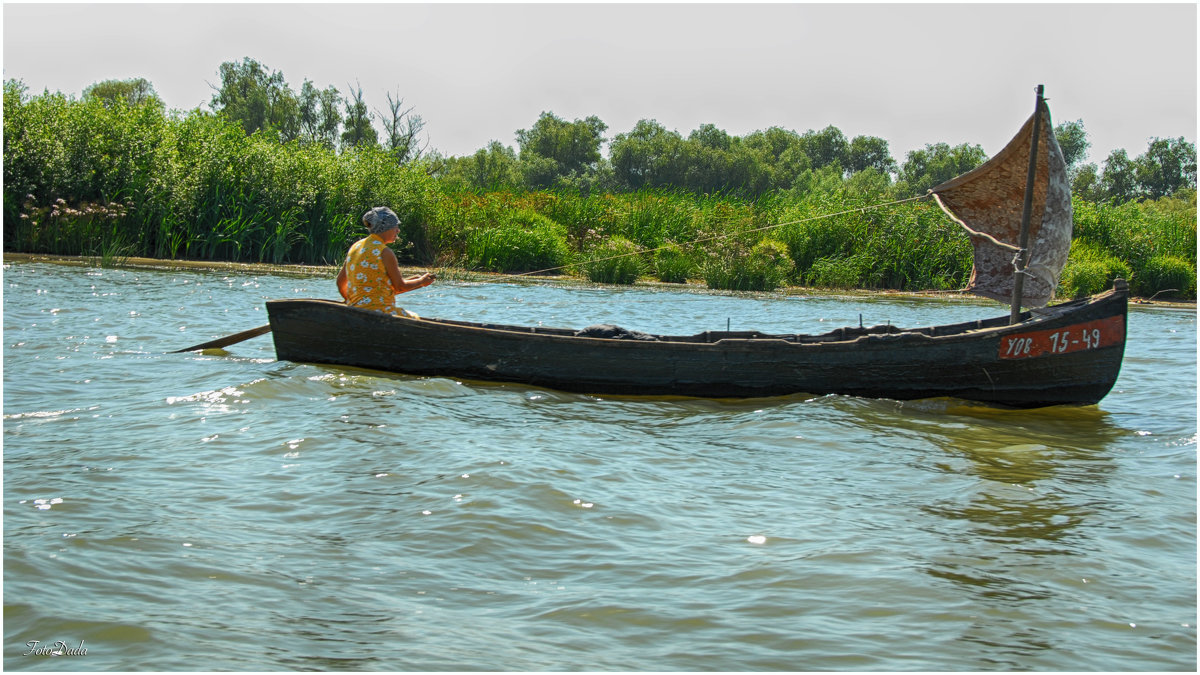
column 164, row 507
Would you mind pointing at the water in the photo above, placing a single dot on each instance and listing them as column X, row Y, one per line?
column 228, row 511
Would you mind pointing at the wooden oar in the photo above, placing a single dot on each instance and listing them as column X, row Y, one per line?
column 227, row 340
column 230, row 339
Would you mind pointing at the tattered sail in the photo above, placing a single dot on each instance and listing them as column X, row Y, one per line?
column 988, row 202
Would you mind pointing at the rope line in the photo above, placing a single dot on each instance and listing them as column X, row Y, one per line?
column 860, row 209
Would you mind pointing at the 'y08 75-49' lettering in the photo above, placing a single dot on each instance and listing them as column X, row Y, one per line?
column 1090, row 335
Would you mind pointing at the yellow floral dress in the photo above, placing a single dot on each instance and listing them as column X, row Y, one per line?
column 367, row 278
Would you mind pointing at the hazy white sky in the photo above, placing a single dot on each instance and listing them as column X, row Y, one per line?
column 910, row 73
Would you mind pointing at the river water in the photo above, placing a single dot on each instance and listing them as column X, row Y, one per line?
column 227, row 511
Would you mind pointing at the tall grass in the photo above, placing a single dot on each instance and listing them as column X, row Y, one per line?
column 521, row 242
column 765, row 266
column 189, row 186
column 1091, row 269
column 111, row 180
column 674, row 264
column 904, row 247
column 1155, row 240
column 613, row 260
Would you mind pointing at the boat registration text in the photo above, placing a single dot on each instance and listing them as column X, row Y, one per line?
column 1090, row 335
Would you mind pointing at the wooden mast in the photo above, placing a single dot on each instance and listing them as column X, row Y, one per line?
column 1027, row 211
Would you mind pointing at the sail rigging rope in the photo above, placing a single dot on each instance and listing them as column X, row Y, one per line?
column 860, row 209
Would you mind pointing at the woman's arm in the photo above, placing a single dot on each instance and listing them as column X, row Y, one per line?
column 399, row 283
column 343, row 283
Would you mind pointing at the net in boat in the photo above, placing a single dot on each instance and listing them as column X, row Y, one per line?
column 988, row 202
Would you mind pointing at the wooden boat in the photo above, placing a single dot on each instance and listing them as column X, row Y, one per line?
column 1067, row 354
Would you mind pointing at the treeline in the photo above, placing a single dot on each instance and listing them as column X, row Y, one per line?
column 260, row 100
column 107, row 177
column 272, row 175
column 568, row 155
column 557, row 154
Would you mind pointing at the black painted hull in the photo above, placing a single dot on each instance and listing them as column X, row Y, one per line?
column 1066, row 355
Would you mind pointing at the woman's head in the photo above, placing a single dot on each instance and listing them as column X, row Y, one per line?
column 380, row 219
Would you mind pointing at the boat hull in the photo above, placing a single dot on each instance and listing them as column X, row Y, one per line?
column 1067, row 355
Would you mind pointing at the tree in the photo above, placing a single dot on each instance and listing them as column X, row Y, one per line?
column 784, row 152
column 1086, row 183
column 648, row 156
column 747, row 171
column 825, row 147
column 776, row 141
column 573, row 147
column 869, row 152
column 1118, row 182
column 257, row 99
column 869, row 182
column 133, row 91
column 790, row 167
column 709, row 136
column 1073, row 142
column 707, row 161
column 319, row 115
column 358, row 128
column 936, row 164
column 495, row 168
column 1167, row 166
column 401, row 129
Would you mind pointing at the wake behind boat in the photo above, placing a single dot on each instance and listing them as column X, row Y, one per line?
column 1017, row 210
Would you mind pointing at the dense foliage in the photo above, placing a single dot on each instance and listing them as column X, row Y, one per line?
column 275, row 176
column 98, row 177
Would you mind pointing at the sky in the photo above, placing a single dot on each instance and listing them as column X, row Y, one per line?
column 912, row 74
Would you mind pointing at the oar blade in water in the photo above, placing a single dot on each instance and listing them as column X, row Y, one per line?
column 227, row 340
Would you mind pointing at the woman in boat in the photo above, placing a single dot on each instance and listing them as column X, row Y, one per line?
column 370, row 278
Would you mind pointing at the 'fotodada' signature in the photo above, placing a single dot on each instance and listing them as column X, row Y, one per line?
column 59, row 648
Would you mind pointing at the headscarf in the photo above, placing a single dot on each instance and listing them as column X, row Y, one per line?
column 380, row 219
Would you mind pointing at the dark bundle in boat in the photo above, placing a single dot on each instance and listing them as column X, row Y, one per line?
column 1067, row 354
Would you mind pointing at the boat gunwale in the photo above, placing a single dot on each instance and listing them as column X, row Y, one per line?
column 994, row 327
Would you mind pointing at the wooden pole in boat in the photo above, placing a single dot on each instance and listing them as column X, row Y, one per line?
column 1026, row 212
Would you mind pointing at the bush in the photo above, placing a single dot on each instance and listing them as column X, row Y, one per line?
column 651, row 218
column 1165, row 274
column 613, row 261
column 838, row 272
column 1090, row 270
column 764, row 267
column 112, row 179
column 90, row 178
column 526, row 242
column 810, row 241
column 918, row 250
column 673, row 265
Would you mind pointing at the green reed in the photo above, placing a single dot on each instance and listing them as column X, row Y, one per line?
column 612, row 260
column 1156, row 241
column 195, row 185
column 674, row 264
column 111, row 180
column 1090, row 269
column 521, row 241
column 765, row 266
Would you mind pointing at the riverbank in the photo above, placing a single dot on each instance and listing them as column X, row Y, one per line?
column 455, row 274
column 444, row 273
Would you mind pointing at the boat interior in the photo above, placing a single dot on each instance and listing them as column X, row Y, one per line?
column 843, row 334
